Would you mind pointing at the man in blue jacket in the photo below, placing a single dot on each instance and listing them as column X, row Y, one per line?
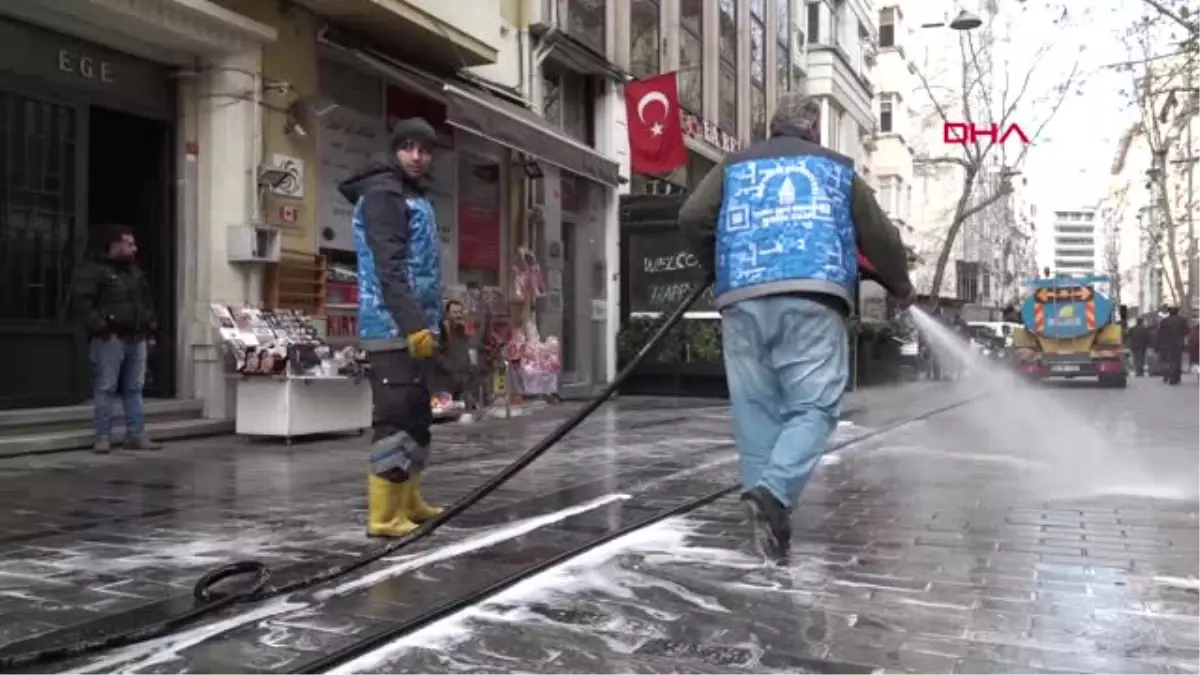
column 399, row 317
column 782, row 222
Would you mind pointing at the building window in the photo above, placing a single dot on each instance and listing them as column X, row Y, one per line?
column 887, row 122
column 758, row 70
column 758, row 51
column 835, row 22
column 783, row 57
column 728, row 28
column 728, row 91
column 967, row 275
column 728, row 81
column 758, row 112
column 814, row 22
column 586, row 22
column 887, row 27
column 643, row 37
column 567, row 103
column 835, row 129
column 691, row 55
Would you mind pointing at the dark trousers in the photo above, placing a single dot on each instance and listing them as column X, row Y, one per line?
column 1139, row 362
column 1172, row 364
column 402, row 416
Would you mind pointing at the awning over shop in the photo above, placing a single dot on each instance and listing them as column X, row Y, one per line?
column 515, row 127
column 411, row 31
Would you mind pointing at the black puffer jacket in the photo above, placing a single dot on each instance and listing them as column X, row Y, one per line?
column 114, row 298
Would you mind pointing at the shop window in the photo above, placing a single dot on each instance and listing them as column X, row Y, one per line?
column 728, row 89
column 643, row 37
column 691, row 63
column 479, row 219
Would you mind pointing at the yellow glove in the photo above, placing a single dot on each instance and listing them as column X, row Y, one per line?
column 421, row 344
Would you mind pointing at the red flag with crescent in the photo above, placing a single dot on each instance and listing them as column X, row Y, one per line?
column 655, row 132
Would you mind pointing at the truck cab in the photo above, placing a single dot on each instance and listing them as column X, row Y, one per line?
column 1070, row 328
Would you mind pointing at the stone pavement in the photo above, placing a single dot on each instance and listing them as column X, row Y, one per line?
column 87, row 538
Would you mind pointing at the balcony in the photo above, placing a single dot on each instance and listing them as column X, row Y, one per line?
column 431, row 33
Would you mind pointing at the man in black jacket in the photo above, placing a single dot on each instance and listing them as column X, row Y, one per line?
column 1172, row 335
column 780, row 226
column 1139, row 342
column 113, row 296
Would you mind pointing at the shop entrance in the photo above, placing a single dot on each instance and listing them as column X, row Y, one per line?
column 128, row 164
column 78, row 151
column 66, row 172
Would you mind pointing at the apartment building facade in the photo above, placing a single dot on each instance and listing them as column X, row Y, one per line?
column 918, row 78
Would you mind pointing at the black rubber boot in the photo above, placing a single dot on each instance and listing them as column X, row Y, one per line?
column 771, row 523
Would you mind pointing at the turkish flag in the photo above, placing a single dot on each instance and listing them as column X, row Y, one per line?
column 655, row 133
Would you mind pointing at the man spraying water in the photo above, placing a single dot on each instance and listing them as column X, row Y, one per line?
column 780, row 225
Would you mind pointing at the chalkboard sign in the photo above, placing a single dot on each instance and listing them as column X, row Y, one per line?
column 662, row 270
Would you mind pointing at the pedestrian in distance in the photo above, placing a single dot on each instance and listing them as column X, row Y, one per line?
column 1139, row 342
column 1172, row 335
column 113, row 297
column 1193, row 345
column 779, row 226
column 399, row 320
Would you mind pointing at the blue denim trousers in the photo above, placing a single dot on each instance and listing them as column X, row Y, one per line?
column 118, row 367
column 787, row 362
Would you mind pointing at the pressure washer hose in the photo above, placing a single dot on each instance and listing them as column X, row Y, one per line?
column 260, row 588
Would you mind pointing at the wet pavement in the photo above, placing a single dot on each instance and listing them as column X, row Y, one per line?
column 937, row 547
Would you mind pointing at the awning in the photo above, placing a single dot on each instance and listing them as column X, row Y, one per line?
column 412, row 32
column 515, row 127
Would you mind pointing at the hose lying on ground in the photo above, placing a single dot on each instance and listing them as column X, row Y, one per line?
column 208, row 601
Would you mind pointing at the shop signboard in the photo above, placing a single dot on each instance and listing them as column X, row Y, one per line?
column 708, row 132
column 345, row 141
column 662, row 270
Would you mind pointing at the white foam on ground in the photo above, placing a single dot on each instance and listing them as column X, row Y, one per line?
column 158, row 651
column 512, row 531
column 166, row 649
column 579, row 574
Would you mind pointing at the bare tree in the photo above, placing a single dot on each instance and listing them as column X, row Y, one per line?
column 989, row 95
column 1166, row 110
column 1179, row 16
column 1112, row 214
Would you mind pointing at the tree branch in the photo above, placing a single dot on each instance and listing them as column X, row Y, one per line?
column 958, row 161
column 1062, row 96
column 1004, row 191
column 1162, row 9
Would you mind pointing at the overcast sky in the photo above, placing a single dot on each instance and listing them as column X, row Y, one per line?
column 1069, row 168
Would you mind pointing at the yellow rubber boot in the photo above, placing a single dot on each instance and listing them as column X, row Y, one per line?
column 387, row 510
column 418, row 510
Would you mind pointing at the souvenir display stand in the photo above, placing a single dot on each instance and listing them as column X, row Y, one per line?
column 534, row 364
column 289, row 382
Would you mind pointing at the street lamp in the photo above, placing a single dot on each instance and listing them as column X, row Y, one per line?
column 965, row 21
